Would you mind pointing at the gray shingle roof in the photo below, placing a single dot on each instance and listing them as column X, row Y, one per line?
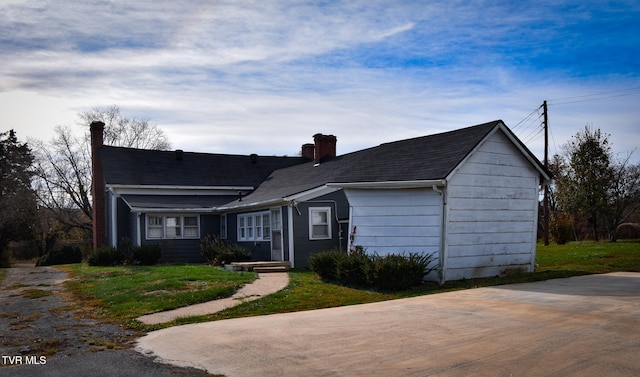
column 128, row 166
column 429, row 157
column 425, row 158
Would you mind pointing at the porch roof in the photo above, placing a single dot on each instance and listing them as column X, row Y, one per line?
column 175, row 202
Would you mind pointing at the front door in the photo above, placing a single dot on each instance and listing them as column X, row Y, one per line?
column 276, row 235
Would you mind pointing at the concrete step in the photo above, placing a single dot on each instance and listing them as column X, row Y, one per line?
column 270, row 269
column 260, row 266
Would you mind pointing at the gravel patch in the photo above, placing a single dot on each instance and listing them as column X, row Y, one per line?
column 43, row 333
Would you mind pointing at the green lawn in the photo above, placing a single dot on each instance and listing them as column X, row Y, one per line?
column 127, row 292
column 124, row 293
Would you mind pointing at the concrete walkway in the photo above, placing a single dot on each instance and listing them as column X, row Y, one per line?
column 266, row 284
column 580, row 326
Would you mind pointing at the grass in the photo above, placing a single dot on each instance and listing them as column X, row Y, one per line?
column 127, row 292
column 124, row 293
column 34, row 293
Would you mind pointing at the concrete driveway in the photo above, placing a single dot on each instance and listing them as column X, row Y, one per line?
column 581, row 326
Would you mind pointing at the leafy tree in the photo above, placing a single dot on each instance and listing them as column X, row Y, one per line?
column 590, row 184
column 17, row 199
column 584, row 186
column 63, row 165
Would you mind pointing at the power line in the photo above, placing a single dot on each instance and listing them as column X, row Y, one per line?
column 596, row 96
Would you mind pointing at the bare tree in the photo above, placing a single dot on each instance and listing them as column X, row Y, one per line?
column 63, row 165
column 623, row 195
column 63, row 184
column 126, row 132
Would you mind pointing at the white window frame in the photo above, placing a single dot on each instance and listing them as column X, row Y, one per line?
column 314, row 210
column 251, row 227
column 179, row 228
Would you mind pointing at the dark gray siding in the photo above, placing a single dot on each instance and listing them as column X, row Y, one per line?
column 124, row 226
column 304, row 247
column 182, row 250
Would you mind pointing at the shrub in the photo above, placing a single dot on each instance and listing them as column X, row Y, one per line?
column 389, row 272
column 560, row 228
column 106, row 256
column 325, row 264
column 398, row 272
column 217, row 250
column 146, row 254
column 64, row 255
column 355, row 270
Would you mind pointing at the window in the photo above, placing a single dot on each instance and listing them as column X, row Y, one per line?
column 320, row 223
column 242, row 228
column 250, row 227
column 191, row 227
column 223, row 226
column 254, row 227
column 155, row 227
column 173, row 226
column 266, row 228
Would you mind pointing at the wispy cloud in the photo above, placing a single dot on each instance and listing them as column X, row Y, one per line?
column 260, row 76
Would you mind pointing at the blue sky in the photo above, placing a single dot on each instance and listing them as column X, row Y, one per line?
column 264, row 76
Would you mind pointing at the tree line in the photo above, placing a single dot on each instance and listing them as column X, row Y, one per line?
column 45, row 186
column 592, row 193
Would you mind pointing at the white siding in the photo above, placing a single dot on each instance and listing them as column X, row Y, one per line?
column 396, row 221
column 491, row 212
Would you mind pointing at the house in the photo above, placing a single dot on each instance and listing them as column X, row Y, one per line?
column 468, row 196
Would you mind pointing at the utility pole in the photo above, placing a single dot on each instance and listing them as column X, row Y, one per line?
column 546, row 166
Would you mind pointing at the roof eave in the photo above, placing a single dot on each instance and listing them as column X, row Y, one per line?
column 390, row 184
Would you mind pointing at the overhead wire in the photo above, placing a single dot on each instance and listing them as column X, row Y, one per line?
column 595, row 96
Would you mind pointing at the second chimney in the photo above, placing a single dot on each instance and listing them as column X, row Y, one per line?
column 325, row 146
column 308, row 151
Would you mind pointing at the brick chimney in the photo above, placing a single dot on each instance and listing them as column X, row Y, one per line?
column 308, row 151
column 98, row 186
column 325, row 146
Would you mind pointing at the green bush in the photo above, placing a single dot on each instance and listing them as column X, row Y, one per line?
column 389, row 272
column 397, row 272
column 106, row 256
column 325, row 264
column 355, row 270
column 146, row 254
column 217, row 250
column 64, row 255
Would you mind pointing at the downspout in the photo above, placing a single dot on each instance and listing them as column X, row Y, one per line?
column 290, row 234
column 441, row 254
column 138, row 229
column 114, row 218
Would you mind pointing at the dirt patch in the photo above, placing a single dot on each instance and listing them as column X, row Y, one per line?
column 38, row 319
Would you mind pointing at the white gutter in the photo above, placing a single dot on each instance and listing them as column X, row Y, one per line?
column 178, row 190
column 175, row 187
column 171, row 210
column 390, row 184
